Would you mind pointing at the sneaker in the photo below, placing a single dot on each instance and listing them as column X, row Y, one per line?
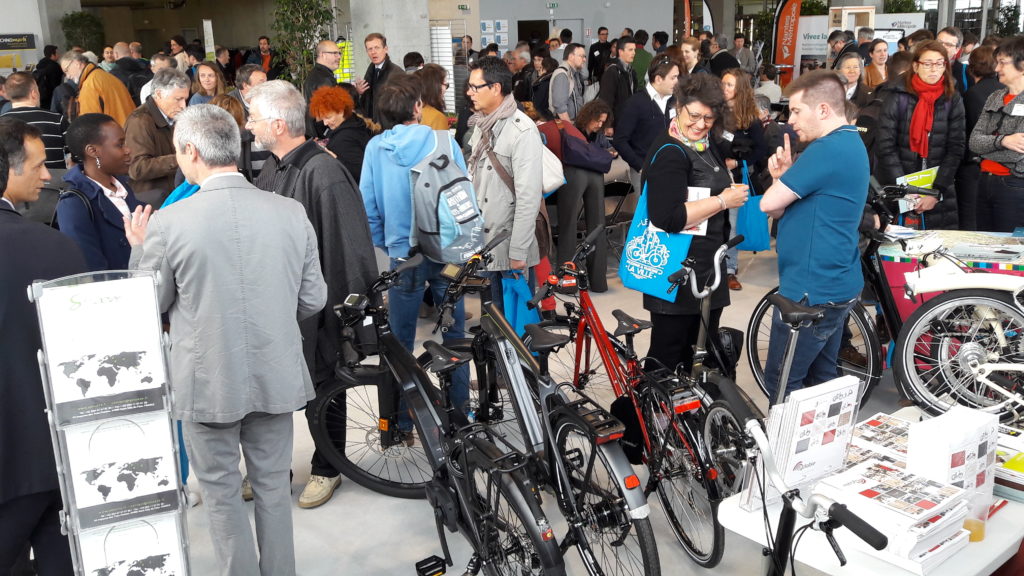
column 318, row 491
column 246, row 489
column 851, row 355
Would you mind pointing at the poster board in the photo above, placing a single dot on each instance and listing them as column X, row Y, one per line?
column 104, row 374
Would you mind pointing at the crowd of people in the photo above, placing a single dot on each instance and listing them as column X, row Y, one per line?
column 162, row 162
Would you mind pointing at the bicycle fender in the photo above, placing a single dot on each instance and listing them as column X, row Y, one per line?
column 924, row 283
column 621, row 468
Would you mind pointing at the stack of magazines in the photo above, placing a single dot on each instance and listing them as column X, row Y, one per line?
column 1009, row 472
column 922, row 518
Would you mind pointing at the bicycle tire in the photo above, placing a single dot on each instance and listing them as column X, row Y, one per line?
column 939, row 337
column 724, row 435
column 593, row 381
column 605, row 519
column 689, row 501
column 508, row 510
column 864, row 339
column 344, row 422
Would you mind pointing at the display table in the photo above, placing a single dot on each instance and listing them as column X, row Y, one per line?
column 1003, row 535
column 895, row 263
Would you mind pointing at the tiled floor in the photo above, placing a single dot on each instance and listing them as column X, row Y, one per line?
column 360, row 532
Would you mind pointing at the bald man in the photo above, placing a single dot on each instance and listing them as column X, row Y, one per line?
column 328, row 56
column 130, row 71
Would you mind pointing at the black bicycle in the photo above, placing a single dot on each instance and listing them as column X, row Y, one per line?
column 571, row 444
column 477, row 484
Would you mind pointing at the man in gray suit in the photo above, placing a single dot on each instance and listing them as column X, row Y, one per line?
column 239, row 268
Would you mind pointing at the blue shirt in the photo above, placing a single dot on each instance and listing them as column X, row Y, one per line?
column 818, row 233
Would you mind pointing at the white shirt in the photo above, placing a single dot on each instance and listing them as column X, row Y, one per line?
column 145, row 91
column 660, row 101
column 851, row 90
column 770, row 89
column 9, row 203
column 116, row 196
column 218, row 175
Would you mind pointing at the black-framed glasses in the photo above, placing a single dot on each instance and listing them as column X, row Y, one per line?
column 474, row 88
column 708, row 119
column 335, row 53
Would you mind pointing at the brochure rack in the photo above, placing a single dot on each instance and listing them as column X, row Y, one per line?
column 104, row 374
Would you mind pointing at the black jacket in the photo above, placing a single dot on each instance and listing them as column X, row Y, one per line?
column 48, row 76
column 618, row 83
column 597, row 59
column 32, row 251
column 368, row 99
column 946, row 146
column 348, row 142
column 722, row 61
column 133, row 74
column 963, row 80
column 850, row 47
column 974, row 101
column 640, row 124
column 318, row 77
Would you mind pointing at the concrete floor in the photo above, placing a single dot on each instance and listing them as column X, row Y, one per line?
column 360, row 532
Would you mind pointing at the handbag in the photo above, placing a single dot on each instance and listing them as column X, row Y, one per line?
column 583, row 154
column 551, row 172
column 651, row 255
column 751, row 222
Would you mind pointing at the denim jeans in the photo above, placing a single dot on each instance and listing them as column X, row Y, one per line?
column 403, row 312
column 816, row 357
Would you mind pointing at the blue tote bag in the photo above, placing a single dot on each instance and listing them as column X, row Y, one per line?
column 751, row 222
column 651, row 255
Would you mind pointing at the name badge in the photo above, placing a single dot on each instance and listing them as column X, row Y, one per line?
column 672, row 113
column 727, row 135
column 1018, row 110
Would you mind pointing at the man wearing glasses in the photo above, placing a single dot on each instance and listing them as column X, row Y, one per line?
column 840, row 42
column 599, row 52
column 327, row 58
column 952, row 39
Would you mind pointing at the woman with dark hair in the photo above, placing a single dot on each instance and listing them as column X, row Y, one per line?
column 208, row 82
column 851, row 69
column 682, row 159
column 591, row 121
column 347, row 132
column 998, row 138
column 876, row 72
column 922, row 126
column 982, row 68
column 742, row 141
column 92, row 216
column 435, row 83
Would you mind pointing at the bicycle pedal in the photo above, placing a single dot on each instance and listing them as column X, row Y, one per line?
column 433, row 566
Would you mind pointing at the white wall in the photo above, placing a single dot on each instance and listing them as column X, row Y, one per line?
column 651, row 15
column 405, row 23
column 40, row 18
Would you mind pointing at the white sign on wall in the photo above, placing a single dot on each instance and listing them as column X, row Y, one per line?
column 907, row 22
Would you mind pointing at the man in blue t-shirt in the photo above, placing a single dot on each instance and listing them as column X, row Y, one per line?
column 818, row 201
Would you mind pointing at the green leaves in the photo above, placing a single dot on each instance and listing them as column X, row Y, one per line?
column 901, row 6
column 298, row 26
column 83, row 29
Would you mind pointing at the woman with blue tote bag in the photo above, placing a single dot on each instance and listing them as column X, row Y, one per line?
column 685, row 186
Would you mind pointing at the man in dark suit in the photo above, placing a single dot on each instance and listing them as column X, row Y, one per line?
column 29, row 491
column 645, row 116
column 721, row 60
column 377, row 74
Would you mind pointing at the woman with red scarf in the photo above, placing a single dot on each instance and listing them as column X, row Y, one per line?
column 923, row 126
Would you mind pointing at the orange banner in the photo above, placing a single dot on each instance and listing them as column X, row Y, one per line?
column 787, row 23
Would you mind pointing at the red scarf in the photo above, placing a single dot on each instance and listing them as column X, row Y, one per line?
column 924, row 112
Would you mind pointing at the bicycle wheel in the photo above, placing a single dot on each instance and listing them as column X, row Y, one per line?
column 942, row 337
column 345, row 424
column 724, row 435
column 865, row 363
column 592, row 377
column 609, row 539
column 683, row 488
column 511, row 527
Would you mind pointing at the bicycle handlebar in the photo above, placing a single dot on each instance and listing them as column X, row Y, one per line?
column 446, row 319
column 842, row 515
column 688, row 274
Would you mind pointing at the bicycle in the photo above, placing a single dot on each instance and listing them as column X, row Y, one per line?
column 863, row 332
column 478, row 485
column 570, row 443
column 663, row 415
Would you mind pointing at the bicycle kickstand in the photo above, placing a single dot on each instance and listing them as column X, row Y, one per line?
column 827, row 527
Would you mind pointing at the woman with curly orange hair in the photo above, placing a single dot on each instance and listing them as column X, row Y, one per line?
column 347, row 133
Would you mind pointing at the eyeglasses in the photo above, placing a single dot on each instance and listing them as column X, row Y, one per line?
column 335, row 53
column 1000, row 62
column 475, row 88
column 933, row 64
column 708, row 120
column 444, row 85
column 252, row 121
column 949, row 45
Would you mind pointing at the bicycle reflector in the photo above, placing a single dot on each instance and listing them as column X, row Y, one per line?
column 548, row 535
column 382, row 424
column 632, row 482
column 684, row 400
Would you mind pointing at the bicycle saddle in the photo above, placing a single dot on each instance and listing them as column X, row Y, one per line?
column 795, row 314
column 444, row 360
column 541, row 341
column 628, row 324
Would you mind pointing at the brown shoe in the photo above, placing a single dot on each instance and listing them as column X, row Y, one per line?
column 734, row 283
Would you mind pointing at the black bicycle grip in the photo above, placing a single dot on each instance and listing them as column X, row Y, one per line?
column 920, row 191
column 866, row 532
column 447, row 319
column 734, row 241
column 592, row 237
column 541, row 294
column 498, row 239
column 410, row 262
column 678, row 276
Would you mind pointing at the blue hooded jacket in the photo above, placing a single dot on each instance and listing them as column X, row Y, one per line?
column 100, row 237
column 386, row 182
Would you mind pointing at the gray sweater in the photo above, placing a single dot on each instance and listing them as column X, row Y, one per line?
column 997, row 120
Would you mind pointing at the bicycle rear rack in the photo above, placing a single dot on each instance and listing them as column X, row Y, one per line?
column 603, row 426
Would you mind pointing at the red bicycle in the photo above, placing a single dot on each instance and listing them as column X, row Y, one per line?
column 663, row 416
